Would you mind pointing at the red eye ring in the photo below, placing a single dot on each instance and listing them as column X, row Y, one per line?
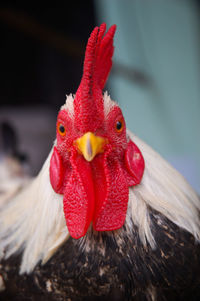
column 119, row 125
column 61, row 129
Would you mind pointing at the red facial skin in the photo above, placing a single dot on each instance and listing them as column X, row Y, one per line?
column 95, row 191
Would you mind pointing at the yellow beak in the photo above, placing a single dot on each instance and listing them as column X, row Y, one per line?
column 90, row 145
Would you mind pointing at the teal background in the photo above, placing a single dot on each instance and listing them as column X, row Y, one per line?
column 160, row 39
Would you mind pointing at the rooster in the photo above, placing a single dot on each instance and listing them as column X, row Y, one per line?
column 106, row 218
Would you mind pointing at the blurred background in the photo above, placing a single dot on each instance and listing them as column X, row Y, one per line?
column 155, row 76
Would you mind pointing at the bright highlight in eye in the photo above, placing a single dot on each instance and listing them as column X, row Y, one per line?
column 61, row 129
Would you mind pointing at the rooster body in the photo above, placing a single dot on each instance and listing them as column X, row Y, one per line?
column 106, row 217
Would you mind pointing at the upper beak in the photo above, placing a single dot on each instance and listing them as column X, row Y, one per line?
column 90, row 145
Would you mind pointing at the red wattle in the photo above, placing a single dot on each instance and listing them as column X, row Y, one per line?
column 79, row 197
column 111, row 195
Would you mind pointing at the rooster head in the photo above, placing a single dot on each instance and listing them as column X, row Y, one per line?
column 93, row 161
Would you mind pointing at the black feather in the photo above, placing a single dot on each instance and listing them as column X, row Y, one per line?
column 109, row 266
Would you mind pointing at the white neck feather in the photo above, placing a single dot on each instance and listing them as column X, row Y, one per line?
column 166, row 191
column 34, row 221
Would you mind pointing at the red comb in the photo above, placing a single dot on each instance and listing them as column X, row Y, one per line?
column 88, row 101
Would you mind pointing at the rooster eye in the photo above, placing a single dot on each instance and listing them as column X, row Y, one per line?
column 119, row 125
column 61, row 129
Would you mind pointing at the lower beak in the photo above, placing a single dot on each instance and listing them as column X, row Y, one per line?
column 90, row 145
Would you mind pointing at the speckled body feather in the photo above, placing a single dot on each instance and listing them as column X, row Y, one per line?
column 114, row 268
